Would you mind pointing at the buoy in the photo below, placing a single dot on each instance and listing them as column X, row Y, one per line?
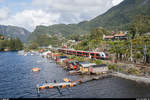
column 42, row 87
column 79, row 81
column 51, row 87
column 71, row 85
column 66, row 80
column 63, row 86
column 35, row 69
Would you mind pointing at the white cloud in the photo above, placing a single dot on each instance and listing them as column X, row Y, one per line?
column 48, row 12
column 116, row 2
column 4, row 13
column 74, row 11
column 31, row 18
column 1, row 1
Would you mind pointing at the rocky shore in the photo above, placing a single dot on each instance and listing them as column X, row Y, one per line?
column 139, row 79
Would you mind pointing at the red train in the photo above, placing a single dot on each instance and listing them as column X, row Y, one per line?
column 97, row 55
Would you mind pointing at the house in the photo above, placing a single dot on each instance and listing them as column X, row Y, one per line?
column 118, row 36
column 46, row 54
column 98, row 69
column 65, row 61
column 84, row 66
column 54, row 55
column 59, row 59
column 109, row 37
column 72, row 65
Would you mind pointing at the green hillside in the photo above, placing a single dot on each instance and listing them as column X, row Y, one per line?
column 118, row 17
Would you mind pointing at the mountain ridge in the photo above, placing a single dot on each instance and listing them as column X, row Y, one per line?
column 15, row 31
column 118, row 17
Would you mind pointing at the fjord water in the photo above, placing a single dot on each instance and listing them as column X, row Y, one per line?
column 18, row 81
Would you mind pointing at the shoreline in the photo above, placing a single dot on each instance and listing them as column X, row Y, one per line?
column 86, row 78
column 138, row 79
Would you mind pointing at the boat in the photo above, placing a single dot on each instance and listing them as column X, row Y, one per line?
column 35, row 69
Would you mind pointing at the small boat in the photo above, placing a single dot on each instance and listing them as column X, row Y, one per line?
column 66, row 79
column 35, row 69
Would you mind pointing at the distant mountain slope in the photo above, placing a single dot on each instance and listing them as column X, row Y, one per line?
column 58, row 28
column 121, row 15
column 15, row 31
column 118, row 17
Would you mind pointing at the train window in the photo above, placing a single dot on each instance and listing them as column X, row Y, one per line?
column 79, row 52
column 85, row 53
column 92, row 54
column 106, row 54
column 97, row 55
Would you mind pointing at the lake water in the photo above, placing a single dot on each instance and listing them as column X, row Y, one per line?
column 18, row 81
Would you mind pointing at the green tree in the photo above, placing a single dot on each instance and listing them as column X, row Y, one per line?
column 33, row 46
column 140, row 25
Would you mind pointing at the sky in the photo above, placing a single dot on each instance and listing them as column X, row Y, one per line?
column 31, row 13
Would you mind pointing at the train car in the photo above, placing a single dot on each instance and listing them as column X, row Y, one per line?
column 74, row 52
column 86, row 53
column 97, row 55
column 80, row 53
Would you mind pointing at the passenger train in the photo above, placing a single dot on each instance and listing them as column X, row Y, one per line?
column 97, row 55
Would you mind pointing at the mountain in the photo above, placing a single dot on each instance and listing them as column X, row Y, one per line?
column 121, row 15
column 118, row 17
column 14, row 31
column 58, row 28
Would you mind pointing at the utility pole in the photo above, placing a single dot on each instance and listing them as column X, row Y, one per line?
column 131, row 59
column 145, row 53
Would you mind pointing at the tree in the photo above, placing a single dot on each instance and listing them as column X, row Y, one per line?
column 33, row 45
column 140, row 25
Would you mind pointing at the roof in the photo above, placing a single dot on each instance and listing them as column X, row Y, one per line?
column 61, row 57
column 120, row 34
column 101, row 65
column 68, row 60
column 86, row 64
column 109, row 37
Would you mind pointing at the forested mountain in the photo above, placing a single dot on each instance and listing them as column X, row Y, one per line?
column 14, row 31
column 118, row 17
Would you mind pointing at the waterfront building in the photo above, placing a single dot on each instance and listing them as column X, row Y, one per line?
column 98, row 69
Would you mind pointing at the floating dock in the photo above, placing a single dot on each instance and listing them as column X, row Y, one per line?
column 55, row 85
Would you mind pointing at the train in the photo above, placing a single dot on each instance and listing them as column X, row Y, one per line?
column 91, row 54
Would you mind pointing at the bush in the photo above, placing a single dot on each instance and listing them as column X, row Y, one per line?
column 112, row 67
column 96, row 61
column 133, row 71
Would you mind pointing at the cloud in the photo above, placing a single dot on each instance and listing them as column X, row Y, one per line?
column 31, row 18
column 116, row 2
column 4, row 13
column 48, row 12
column 74, row 11
column 1, row 1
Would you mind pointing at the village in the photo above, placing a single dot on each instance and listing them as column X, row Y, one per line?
column 94, row 64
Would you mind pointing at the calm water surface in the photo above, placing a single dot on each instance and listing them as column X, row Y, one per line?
column 18, row 81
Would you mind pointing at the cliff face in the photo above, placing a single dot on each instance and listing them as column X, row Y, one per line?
column 14, row 31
